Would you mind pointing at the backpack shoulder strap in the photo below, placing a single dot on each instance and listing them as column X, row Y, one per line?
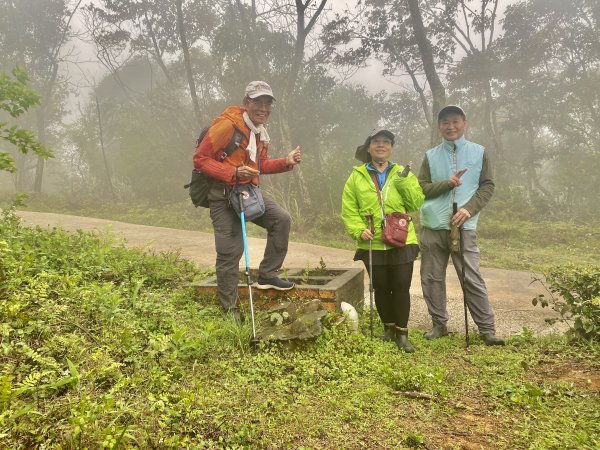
column 234, row 143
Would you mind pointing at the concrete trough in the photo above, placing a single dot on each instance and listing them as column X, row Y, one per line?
column 332, row 286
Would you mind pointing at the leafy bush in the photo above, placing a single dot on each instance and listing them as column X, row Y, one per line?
column 574, row 294
column 16, row 97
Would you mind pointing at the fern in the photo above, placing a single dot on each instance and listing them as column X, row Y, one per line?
column 32, row 380
column 38, row 358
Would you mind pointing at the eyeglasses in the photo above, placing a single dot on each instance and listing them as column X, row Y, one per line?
column 269, row 105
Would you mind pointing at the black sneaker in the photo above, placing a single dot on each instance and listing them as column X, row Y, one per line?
column 274, row 283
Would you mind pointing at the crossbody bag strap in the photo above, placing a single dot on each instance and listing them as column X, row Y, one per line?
column 376, row 183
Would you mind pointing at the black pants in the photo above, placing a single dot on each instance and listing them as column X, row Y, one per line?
column 392, row 292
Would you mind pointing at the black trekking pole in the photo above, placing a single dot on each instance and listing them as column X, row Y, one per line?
column 254, row 340
column 462, row 274
column 371, row 300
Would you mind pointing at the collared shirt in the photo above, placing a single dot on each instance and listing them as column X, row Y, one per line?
column 381, row 176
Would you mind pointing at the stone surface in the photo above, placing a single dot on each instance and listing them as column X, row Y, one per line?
column 332, row 286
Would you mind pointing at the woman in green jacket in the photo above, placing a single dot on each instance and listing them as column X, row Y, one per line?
column 392, row 267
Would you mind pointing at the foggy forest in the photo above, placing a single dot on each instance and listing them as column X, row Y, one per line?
column 126, row 86
column 104, row 344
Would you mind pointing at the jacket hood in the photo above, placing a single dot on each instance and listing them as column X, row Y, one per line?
column 234, row 114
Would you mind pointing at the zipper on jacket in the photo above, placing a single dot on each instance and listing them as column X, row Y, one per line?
column 454, row 170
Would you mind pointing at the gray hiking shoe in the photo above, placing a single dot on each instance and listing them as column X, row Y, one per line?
column 491, row 339
column 274, row 283
column 436, row 332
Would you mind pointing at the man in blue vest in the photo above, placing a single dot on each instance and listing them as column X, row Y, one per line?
column 456, row 171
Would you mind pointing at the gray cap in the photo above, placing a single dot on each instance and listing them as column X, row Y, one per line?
column 451, row 109
column 257, row 89
column 362, row 151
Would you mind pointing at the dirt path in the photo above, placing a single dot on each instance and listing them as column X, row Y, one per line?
column 510, row 291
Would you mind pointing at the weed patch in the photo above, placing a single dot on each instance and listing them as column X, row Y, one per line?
column 107, row 347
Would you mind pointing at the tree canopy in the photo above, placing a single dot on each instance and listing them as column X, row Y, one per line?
column 526, row 72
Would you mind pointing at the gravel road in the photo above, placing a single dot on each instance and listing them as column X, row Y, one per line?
column 510, row 291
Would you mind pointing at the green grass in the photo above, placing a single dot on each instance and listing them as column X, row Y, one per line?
column 107, row 347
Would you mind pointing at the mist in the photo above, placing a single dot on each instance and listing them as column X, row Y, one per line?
column 120, row 111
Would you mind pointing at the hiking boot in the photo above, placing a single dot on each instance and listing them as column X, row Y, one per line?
column 274, row 283
column 491, row 339
column 389, row 332
column 401, row 340
column 436, row 332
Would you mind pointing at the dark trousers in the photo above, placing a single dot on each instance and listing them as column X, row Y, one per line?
column 392, row 292
column 229, row 245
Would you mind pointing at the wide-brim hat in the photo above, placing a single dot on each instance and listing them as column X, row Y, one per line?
column 362, row 151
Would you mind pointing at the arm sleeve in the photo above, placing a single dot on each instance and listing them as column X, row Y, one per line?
column 486, row 188
column 353, row 222
column 431, row 189
column 276, row 165
column 411, row 192
column 206, row 156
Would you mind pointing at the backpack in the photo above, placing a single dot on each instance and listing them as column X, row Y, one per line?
column 200, row 184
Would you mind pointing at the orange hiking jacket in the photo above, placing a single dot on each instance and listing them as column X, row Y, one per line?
column 209, row 153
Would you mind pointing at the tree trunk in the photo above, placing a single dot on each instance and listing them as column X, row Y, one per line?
column 438, row 92
column 157, row 52
column 187, row 61
column 110, row 185
column 41, row 126
column 302, row 31
column 533, row 176
column 250, row 24
column 420, row 92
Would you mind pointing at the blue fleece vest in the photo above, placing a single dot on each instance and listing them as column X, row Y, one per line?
column 445, row 160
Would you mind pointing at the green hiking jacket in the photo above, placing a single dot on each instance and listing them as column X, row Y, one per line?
column 360, row 198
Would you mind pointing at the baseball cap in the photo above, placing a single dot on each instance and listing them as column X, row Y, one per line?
column 258, row 88
column 451, row 109
column 362, row 151
column 383, row 132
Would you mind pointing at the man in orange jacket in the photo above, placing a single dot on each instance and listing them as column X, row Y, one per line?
column 233, row 150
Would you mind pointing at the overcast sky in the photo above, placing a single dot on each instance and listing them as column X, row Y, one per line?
column 90, row 71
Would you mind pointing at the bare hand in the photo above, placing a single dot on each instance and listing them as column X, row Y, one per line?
column 454, row 180
column 294, row 157
column 246, row 172
column 461, row 216
column 366, row 235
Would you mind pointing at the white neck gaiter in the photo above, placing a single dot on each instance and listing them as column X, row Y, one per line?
column 254, row 130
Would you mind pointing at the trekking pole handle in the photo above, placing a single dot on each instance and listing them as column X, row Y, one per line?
column 407, row 168
column 371, row 227
column 242, row 207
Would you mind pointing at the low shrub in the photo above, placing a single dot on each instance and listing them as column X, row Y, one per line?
column 574, row 293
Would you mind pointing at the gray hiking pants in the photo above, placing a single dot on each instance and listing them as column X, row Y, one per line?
column 435, row 250
column 230, row 246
